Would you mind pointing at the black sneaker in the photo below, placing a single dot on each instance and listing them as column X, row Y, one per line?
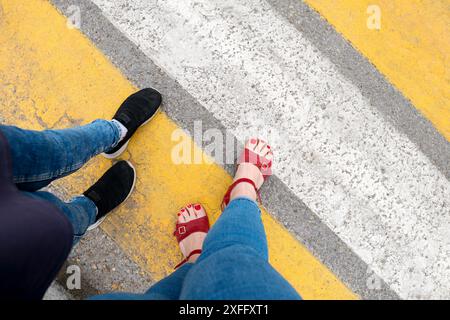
column 135, row 111
column 113, row 188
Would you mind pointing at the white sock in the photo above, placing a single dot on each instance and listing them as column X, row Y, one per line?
column 122, row 129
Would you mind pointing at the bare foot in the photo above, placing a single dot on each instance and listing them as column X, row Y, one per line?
column 195, row 240
column 250, row 171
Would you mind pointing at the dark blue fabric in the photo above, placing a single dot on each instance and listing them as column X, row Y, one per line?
column 35, row 238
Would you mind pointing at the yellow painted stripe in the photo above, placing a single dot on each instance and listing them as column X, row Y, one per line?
column 412, row 48
column 54, row 77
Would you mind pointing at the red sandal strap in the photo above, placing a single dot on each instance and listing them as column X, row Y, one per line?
column 197, row 251
column 184, row 230
column 227, row 197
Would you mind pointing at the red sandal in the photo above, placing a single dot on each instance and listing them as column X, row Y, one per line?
column 248, row 156
column 183, row 230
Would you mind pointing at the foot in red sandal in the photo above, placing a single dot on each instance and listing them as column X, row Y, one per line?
column 255, row 165
column 190, row 231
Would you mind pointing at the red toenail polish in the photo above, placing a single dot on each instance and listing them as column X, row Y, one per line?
column 197, row 207
column 253, row 141
column 179, row 214
column 268, row 147
column 182, row 210
column 189, row 206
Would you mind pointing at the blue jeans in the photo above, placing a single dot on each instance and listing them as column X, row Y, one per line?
column 40, row 157
column 233, row 266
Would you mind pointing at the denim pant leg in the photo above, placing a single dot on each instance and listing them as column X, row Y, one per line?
column 39, row 157
column 234, row 263
column 80, row 211
column 168, row 288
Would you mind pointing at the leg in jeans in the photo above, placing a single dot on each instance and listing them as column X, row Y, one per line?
column 234, row 263
column 80, row 211
column 39, row 157
column 168, row 288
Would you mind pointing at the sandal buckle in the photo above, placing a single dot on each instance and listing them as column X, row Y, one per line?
column 182, row 230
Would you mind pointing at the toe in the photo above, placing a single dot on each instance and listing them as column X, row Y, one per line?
column 266, row 149
column 199, row 211
column 251, row 144
column 261, row 145
column 190, row 213
column 182, row 215
column 179, row 217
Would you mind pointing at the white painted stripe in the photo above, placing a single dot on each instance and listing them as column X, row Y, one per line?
column 362, row 177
